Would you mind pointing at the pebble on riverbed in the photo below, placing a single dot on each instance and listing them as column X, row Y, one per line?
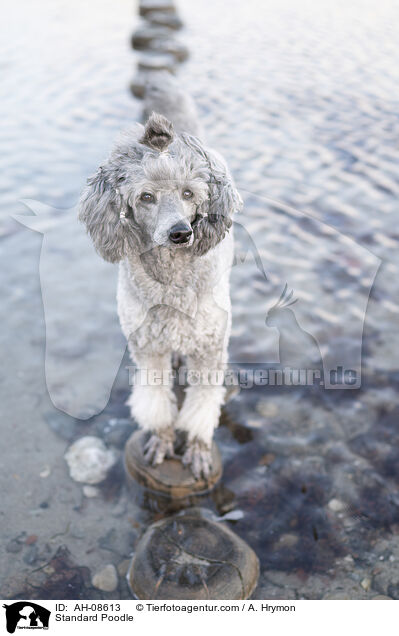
column 90, row 491
column 266, row 408
column 336, row 505
column 89, row 460
column 31, row 555
column 366, row 584
column 14, row 546
column 106, row 579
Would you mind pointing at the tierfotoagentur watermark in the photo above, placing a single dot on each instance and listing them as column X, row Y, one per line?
column 243, row 378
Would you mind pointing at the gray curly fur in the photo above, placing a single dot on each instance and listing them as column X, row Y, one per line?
column 158, row 132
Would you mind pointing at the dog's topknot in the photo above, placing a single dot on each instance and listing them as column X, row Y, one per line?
column 158, row 132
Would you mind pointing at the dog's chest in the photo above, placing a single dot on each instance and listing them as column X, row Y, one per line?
column 167, row 307
column 195, row 332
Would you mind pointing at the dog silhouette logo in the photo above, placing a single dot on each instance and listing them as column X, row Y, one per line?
column 26, row 615
column 297, row 347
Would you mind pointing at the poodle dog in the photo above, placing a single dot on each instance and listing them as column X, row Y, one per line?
column 161, row 206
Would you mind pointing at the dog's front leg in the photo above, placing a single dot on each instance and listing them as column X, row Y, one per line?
column 199, row 415
column 153, row 405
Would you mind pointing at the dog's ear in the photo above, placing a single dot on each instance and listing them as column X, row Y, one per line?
column 99, row 209
column 224, row 199
column 158, row 132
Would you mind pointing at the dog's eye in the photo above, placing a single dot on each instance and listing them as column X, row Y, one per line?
column 147, row 197
column 187, row 194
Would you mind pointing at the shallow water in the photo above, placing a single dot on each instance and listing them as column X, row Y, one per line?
column 302, row 101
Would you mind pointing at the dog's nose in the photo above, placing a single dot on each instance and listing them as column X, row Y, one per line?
column 180, row 233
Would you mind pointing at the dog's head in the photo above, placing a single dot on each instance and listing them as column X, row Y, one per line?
column 158, row 188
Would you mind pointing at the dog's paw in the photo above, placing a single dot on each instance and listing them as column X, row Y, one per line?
column 198, row 457
column 159, row 446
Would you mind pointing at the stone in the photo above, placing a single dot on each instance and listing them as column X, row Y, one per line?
column 45, row 472
column 106, row 579
column 147, row 6
column 142, row 37
column 233, row 515
column 266, row 408
column 346, row 563
column 170, row 46
column 267, row 459
column 138, row 85
column 381, row 597
column 14, row 546
column 274, row 593
column 336, row 505
column 366, row 584
column 287, row 540
column 188, row 556
column 153, row 61
column 90, row 491
column 89, row 460
column 165, row 19
column 170, row 478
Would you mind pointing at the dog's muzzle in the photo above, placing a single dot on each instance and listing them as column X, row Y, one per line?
column 180, row 234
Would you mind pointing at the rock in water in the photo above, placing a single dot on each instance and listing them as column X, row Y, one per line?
column 137, row 85
column 153, row 61
column 165, row 19
column 143, row 36
column 146, row 6
column 187, row 556
column 170, row 46
column 170, row 478
column 106, row 579
column 89, row 460
column 91, row 491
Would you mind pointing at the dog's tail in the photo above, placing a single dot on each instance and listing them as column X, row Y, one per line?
column 155, row 81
